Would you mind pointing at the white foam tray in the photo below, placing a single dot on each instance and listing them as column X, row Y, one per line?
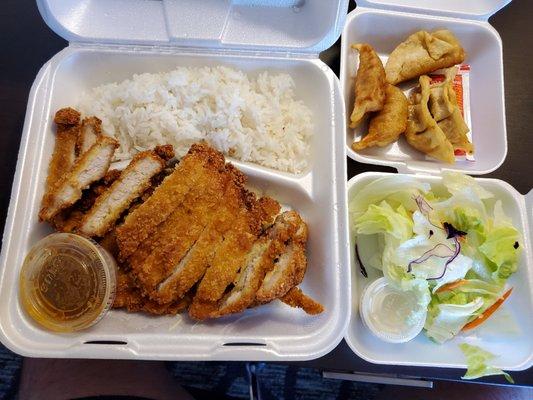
column 511, row 341
column 271, row 332
column 385, row 29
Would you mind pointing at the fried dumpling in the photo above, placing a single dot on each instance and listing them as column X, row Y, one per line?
column 422, row 53
column 388, row 124
column 445, row 110
column 423, row 132
column 369, row 84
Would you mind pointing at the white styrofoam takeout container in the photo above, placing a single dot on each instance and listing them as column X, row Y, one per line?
column 506, row 334
column 384, row 24
column 110, row 41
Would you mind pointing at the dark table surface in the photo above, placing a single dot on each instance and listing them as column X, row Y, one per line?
column 27, row 43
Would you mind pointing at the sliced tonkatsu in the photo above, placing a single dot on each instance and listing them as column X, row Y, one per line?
column 131, row 184
column 89, row 168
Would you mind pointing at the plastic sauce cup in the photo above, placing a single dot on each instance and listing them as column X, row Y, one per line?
column 385, row 311
column 67, row 282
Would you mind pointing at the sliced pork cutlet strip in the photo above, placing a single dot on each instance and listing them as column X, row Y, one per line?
column 90, row 131
column 89, row 168
column 296, row 298
column 290, row 267
column 156, row 258
column 110, row 205
column 64, row 155
column 143, row 222
column 258, row 262
column 69, row 219
column 129, row 296
column 231, row 253
column 190, row 268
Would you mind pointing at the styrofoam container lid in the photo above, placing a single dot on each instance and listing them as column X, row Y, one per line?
column 385, row 311
column 289, row 25
column 473, row 9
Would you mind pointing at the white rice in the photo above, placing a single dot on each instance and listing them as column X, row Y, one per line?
column 250, row 119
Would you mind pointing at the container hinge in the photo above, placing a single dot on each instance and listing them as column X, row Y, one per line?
column 173, row 49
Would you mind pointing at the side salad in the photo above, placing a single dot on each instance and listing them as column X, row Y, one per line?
column 453, row 249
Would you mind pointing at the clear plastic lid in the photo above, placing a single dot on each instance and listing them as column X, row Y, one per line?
column 386, row 312
column 67, row 282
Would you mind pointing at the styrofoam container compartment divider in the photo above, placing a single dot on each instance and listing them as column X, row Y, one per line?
column 384, row 24
column 110, row 41
column 508, row 335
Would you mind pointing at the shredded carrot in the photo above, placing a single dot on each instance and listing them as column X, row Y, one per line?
column 451, row 285
column 488, row 312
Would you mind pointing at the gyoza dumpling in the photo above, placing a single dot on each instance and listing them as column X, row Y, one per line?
column 441, row 98
column 422, row 132
column 445, row 110
column 455, row 129
column 421, row 53
column 369, row 84
column 388, row 124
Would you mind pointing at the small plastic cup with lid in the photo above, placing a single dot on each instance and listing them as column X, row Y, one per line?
column 387, row 312
column 67, row 282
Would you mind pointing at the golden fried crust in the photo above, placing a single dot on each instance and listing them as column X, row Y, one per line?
column 369, row 84
column 388, row 124
column 129, row 296
column 69, row 219
column 158, row 260
column 296, row 298
column 193, row 265
column 63, row 157
column 143, row 222
column 166, row 152
column 67, row 116
column 130, row 185
column 90, row 130
column 89, row 168
column 231, row 253
column 259, row 261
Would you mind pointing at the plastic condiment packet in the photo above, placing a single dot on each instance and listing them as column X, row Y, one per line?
column 461, row 85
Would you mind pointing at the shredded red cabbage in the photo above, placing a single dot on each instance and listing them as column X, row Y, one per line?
column 440, row 250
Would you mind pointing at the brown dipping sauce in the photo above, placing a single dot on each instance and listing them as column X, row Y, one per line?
column 67, row 282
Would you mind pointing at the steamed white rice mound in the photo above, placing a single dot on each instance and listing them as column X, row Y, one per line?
column 256, row 120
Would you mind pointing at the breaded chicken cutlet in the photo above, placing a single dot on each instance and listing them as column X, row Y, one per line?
column 186, row 237
column 89, row 168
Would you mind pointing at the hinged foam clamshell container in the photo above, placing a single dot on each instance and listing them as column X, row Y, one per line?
column 384, row 24
column 112, row 40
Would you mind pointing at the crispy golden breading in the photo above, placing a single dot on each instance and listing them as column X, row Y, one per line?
column 369, row 84
column 143, row 222
column 131, row 184
column 89, row 168
column 192, row 266
column 67, row 116
column 259, row 260
column 386, row 126
column 90, row 130
column 129, row 296
column 159, row 261
column 63, row 157
column 237, row 242
column 290, row 267
column 166, row 152
column 296, row 298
